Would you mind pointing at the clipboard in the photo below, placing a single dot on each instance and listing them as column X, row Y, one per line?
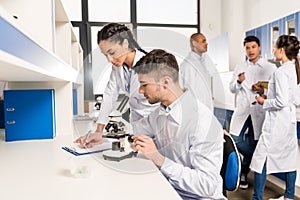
column 76, row 150
column 264, row 84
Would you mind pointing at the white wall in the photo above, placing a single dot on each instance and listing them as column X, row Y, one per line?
column 233, row 20
column 210, row 18
column 265, row 11
column 38, row 28
column 221, row 16
column 238, row 16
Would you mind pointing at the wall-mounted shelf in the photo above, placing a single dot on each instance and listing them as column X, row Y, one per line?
column 39, row 50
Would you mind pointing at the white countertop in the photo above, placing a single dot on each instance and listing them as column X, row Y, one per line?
column 40, row 169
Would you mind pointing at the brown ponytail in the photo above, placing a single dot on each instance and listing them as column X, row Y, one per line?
column 291, row 46
column 297, row 70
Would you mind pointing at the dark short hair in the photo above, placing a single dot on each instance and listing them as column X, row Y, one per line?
column 251, row 38
column 159, row 62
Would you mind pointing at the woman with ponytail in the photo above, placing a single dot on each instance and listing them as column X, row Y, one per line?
column 116, row 42
column 276, row 150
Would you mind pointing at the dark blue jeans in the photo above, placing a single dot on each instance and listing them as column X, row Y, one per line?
column 246, row 145
column 260, row 182
column 290, row 180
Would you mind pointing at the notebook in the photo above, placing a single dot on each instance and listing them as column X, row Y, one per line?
column 76, row 150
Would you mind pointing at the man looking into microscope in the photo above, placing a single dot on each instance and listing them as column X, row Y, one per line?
column 182, row 137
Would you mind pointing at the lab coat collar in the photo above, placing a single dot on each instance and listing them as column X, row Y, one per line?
column 175, row 109
column 259, row 63
column 196, row 56
column 291, row 61
column 137, row 57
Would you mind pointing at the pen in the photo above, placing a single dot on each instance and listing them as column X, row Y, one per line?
column 257, row 95
column 87, row 137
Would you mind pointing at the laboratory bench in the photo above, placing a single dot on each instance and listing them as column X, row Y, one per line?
column 41, row 169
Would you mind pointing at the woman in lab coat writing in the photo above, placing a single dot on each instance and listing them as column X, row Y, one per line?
column 276, row 150
column 118, row 45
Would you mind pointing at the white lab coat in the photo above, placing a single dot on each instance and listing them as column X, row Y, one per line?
column 191, row 139
column 277, row 145
column 139, row 106
column 195, row 76
column 245, row 96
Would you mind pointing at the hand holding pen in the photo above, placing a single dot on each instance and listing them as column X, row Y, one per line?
column 90, row 139
column 86, row 141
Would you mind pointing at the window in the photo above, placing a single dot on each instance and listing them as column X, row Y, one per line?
column 274, row 35
column 94, row 32
column 144, row 16
column 109, row 11
column 174, row 40
column 290, row 27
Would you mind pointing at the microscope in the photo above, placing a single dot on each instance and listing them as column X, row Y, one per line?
column 115, row 130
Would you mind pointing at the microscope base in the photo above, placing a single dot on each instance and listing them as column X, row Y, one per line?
column 117, row 155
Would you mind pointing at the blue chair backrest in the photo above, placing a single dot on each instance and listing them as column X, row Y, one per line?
column 231, row 167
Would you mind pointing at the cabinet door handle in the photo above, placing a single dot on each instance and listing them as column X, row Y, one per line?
column 10, row 122
column 10, row 109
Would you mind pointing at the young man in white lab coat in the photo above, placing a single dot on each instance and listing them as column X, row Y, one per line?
column 248, row 115
column 182, row 137
column 196, row 70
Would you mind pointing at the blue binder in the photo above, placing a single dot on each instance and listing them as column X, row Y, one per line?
column 29, row 114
